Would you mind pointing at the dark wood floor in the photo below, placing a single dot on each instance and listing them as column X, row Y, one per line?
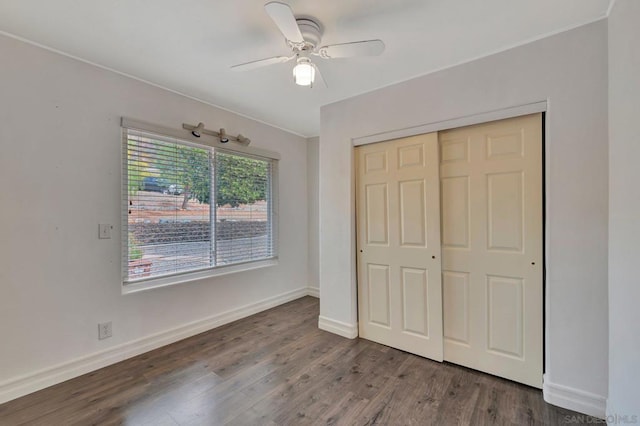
column 277, row 368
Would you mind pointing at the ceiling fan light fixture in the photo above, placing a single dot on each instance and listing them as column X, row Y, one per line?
column 304, row 73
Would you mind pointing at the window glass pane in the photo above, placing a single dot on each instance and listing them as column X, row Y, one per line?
column 243, row 222
column 169, row 225
column 169, row 220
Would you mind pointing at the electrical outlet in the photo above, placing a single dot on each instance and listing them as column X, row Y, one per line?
column 104, row 330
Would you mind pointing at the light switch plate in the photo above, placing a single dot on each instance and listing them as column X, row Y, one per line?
column 104, row 231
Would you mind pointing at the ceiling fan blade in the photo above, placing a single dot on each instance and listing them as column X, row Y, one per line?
column 283, row 17
column 261, row 63
column 323, row 82
column 356, row 48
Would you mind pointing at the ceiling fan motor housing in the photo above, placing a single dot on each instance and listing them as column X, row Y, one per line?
column 311, row 33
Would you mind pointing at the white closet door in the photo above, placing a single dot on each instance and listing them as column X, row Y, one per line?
column 399, row 277
column 492, row 265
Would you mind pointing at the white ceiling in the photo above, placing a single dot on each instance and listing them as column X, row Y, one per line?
column 188, row 46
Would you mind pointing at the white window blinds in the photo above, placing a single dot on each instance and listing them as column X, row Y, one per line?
column 191, row 207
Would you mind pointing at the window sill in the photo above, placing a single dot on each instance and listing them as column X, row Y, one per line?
column 152, row 283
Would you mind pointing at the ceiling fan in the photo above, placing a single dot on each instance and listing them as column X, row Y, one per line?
column 303, row 37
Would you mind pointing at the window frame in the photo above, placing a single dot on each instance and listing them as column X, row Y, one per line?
column 172, row 136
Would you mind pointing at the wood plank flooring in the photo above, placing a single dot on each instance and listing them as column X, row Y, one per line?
column 278, row 368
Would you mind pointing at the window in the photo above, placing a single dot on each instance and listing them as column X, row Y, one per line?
column 192, row 208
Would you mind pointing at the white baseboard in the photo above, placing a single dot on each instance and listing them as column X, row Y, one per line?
column 574, row 399
column 20, row 386
column 313, row 291
column 350, row 331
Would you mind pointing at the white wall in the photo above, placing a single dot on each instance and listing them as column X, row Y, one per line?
column 570, row 71
column 624, row 209
column 60, row 169
column 313, row 145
